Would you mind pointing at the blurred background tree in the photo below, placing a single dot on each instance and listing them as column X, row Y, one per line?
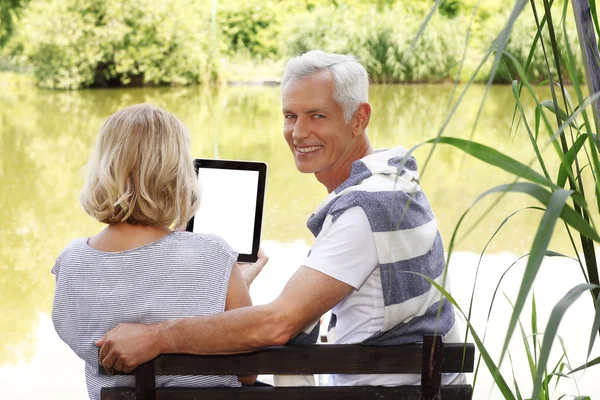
column 70, row 44
column 9, row 9
column 81, row 43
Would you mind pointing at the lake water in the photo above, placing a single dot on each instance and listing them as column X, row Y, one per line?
column 46, row 137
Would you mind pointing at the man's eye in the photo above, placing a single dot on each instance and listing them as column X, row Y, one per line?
column 319, row 116
column 290, row 116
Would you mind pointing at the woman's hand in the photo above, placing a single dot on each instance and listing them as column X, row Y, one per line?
column 251, row 270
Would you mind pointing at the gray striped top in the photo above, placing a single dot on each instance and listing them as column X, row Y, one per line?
column 181, row 275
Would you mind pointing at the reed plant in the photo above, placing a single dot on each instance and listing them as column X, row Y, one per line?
column 566, row 123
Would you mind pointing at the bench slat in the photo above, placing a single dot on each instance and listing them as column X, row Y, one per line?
column 317, row 359
column 454, row 392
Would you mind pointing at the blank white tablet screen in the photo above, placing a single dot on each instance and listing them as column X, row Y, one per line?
column 228, row 206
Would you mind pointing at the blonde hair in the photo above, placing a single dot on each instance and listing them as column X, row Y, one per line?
column 141, row 170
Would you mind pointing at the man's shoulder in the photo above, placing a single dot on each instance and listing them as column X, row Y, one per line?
column 386, row 210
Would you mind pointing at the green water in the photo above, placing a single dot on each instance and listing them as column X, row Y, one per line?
column 46, row 136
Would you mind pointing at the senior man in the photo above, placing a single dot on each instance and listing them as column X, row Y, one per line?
column 375, row 233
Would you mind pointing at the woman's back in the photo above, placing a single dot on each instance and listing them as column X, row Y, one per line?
column 182, row 274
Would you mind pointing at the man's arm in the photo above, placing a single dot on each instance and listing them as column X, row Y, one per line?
column 307, row 295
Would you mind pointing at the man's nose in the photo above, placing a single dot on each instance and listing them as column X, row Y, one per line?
column 300, row 129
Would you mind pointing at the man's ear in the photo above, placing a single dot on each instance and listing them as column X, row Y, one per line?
column 362, row 116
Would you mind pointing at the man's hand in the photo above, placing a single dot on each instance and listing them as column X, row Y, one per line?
column 251, row 270
column 127, row 346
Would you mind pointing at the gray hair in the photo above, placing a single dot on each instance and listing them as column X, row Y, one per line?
column 350, row 79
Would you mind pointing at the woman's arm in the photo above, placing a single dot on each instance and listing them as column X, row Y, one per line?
column 238, row 296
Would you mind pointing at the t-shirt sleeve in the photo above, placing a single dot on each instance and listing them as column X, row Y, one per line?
column 56, row 268
column 227, row 257
column 64, row 255
column 346, row 251
column 58, row 262
column 225, row 248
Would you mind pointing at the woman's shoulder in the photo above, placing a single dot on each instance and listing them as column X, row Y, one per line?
column 73, row 248
column 205, row 240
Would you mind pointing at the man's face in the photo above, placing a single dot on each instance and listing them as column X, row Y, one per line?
column 314, row 126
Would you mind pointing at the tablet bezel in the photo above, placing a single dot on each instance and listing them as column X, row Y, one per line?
column 261, row 167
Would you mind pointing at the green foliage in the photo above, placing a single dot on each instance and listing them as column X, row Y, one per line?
column 379, row 41
column 9, row 9
column 520, row 42
column 253, row 29
column 110, row 42
column 145, row 42
column 561, row 125
column 450, row 8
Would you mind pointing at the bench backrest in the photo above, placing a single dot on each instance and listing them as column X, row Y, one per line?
column 429, row 359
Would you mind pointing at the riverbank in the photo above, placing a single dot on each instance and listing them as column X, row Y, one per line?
column 13, row 80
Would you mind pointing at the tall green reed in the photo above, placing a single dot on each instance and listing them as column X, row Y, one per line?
column 561, row 124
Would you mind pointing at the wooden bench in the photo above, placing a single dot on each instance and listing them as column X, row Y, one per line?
column 429, row 359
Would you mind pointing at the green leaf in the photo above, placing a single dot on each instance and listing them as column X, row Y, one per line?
column 532, row 136
column 481, row 258
column 498, row 46
column 583, row 103
column 560, row 375
column 595, row 17
column 557, row 64
column 534, row 328
column 569, row 99
column 561, row 113
column 500, row 42
column 551, row 328
column 588, row 364
column 494, row 157
column 554, row 209
column 496, row 375
column 421, row 29
column 568, row 214
column 560, row 366
column 515, row 89
column 519, row 397
column 530, row 359
column 538, row 115
column 548, row 253
column 569, row 158
column 595, row 141
column 532, row 49
column 595, row 327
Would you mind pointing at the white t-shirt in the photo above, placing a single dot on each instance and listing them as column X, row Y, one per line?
column 345, row 250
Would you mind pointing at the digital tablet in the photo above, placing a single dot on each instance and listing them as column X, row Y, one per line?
column 231, row 204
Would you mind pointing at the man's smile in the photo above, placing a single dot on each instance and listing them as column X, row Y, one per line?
column 308, row 149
